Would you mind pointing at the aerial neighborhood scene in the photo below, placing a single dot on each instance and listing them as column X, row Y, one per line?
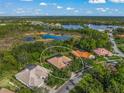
column 61, row 46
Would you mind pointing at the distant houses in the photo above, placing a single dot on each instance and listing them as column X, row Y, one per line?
column 4, row 90
column 102, row 52
column 59, row 61
column 33, row 76
column 49, row 25
column 83, row 54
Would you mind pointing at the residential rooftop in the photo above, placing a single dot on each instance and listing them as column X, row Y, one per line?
column 83, row 54
column 33, row 76
column 102, row 52
column 60, row 61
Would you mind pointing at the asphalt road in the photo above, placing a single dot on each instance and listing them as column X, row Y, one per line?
column 69, row 85
column 116, row 50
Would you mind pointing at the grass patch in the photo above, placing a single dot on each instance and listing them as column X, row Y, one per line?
column 54, row 82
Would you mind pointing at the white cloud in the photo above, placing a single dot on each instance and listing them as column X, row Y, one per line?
column 43, row 4
column 27, row 0
column 117, row 1
column 59, row 7
column 97, row 1
column 53, row 4
column 8, row 4
column 27, row 11
column 1, row 13
column 69, row 8
column 37, row 11
column 20, row 11
column 102, row 9
column 89, row 12
column 46, row 4
column 76, row 11
column 116, row 10
column 47, row 14
column 104, row 1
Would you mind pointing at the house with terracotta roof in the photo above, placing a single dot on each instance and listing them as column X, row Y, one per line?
column 59, row 61
column 83, row 54
column 33, row 76
column 102, row 52
column 4, row 90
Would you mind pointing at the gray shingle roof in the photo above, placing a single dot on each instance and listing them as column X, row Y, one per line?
column 33, row 76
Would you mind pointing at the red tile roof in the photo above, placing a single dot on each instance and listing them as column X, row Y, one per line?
column 82, row 54
column 60, row 62
column 102, row 52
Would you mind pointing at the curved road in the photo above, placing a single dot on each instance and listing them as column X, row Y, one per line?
column 70, row 84
column 116, row 50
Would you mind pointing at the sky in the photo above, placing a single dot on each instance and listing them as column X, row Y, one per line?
column 61, row 7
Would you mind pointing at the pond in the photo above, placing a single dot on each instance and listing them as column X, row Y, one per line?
column 102, row 27
column 54, row 37
column 28, row 39
column 72, row 27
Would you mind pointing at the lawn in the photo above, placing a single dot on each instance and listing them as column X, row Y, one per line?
column 5, row 82
column 120, row 43
column 121, row 47
column 54, row 82
column 114, row 58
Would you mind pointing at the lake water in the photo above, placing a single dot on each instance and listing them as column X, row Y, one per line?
column 102, row 27
column 60, row 38
column 72, row 27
